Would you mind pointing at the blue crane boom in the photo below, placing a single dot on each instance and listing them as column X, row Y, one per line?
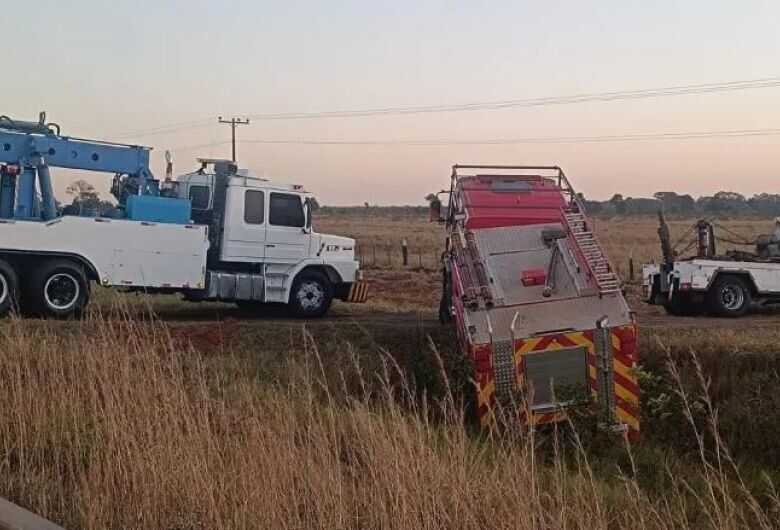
column 29, row 149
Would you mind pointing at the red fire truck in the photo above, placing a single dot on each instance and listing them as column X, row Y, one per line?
column 537, row 305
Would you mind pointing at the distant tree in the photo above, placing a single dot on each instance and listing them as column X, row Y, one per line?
column 618, row 203
column 724, row 202
column 641, row 206
column 765, row 204
column 674, row 203
column 86, row 200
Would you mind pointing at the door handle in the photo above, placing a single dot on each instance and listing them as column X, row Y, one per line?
column 270, row 246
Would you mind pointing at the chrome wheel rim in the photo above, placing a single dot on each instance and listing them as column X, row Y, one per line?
column 62, row 291
column 732, row 297
column 310, row 295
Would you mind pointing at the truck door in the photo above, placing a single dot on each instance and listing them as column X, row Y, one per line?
column 244, row 237
column 287, row 241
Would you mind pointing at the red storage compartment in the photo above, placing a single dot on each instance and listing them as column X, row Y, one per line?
column 533, row 277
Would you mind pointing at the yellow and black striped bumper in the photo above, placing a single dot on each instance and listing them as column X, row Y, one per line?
column 358, row 292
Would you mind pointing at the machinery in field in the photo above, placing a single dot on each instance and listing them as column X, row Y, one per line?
column 537, row 306
column 252, row 241
column 725, row 284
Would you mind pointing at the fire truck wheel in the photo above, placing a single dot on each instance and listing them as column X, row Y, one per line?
column 311, row 295
column 58, row 289
column 729, row 296
column 9, row 288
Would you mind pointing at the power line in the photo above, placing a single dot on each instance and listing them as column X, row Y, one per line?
column 622, row 95
column 769, row 82
column 164, row 129
column 690, row 135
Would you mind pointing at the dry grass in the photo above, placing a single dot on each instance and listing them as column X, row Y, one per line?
column 114, row 424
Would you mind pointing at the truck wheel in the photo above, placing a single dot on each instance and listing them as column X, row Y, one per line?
column 311, row 295
column 9, row 288
column 58, row 289
column 729, row 296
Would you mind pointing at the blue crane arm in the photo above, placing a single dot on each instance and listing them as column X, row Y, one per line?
column 26, row 149
column 29, row 149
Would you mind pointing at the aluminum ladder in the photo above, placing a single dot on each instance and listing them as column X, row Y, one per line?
column 590, row 249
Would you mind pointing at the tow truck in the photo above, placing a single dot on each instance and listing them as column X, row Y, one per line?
column 537, row 307
column 250, row 242
column 725, row 284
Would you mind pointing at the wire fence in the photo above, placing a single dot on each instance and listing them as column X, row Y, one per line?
column 386, row 256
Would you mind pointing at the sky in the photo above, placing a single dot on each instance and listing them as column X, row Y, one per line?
column 114, row 70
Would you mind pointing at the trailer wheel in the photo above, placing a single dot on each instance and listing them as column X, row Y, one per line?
column 9, row 288
column 729, row 296
column 58, row 289
column 311, row 295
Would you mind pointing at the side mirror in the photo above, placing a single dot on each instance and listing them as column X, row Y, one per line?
column 307, row 212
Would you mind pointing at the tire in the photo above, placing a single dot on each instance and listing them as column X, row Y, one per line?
column 729, row 296
column 9, row 289
column 58, row 289
column 311, row 295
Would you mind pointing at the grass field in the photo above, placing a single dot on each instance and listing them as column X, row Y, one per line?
column 156, row 414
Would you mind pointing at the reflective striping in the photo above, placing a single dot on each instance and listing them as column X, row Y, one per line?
column 625, row 394
column 624, row 370
column 626, row 387
column 627, row 418
column 358, row 293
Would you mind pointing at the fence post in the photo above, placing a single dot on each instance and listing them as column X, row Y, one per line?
column 631, row 269
column 405, row 252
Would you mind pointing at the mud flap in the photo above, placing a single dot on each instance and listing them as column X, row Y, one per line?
column 358, row 292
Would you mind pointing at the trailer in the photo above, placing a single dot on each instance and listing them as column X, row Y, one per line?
column 726, row 284
column 537, row 307
column 251, row 242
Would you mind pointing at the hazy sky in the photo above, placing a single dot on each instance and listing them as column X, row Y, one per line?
column 106, row 69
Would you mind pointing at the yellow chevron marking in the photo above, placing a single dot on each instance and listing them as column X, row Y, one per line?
column 626, row 395
column 528, row 345
column 554, row 345
column 580, row 340
column 485, row 393
column 616, row 345
column 624, row 370
column 627, row 418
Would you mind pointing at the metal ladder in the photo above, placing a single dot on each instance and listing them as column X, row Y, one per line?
column 598, row 264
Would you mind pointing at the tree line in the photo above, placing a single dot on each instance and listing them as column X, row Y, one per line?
column 721, row 203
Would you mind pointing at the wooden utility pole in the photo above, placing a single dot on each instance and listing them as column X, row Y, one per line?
column 234, row 122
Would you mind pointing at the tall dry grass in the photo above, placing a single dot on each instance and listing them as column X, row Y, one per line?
column 116, row 423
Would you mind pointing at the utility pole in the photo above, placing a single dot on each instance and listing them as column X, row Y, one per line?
column 233, row 122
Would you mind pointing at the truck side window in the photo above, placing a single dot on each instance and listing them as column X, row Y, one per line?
column 199, row 195
column 254, row 207
column 286, row 210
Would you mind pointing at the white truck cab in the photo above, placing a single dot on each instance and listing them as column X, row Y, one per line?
column 265, row 237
